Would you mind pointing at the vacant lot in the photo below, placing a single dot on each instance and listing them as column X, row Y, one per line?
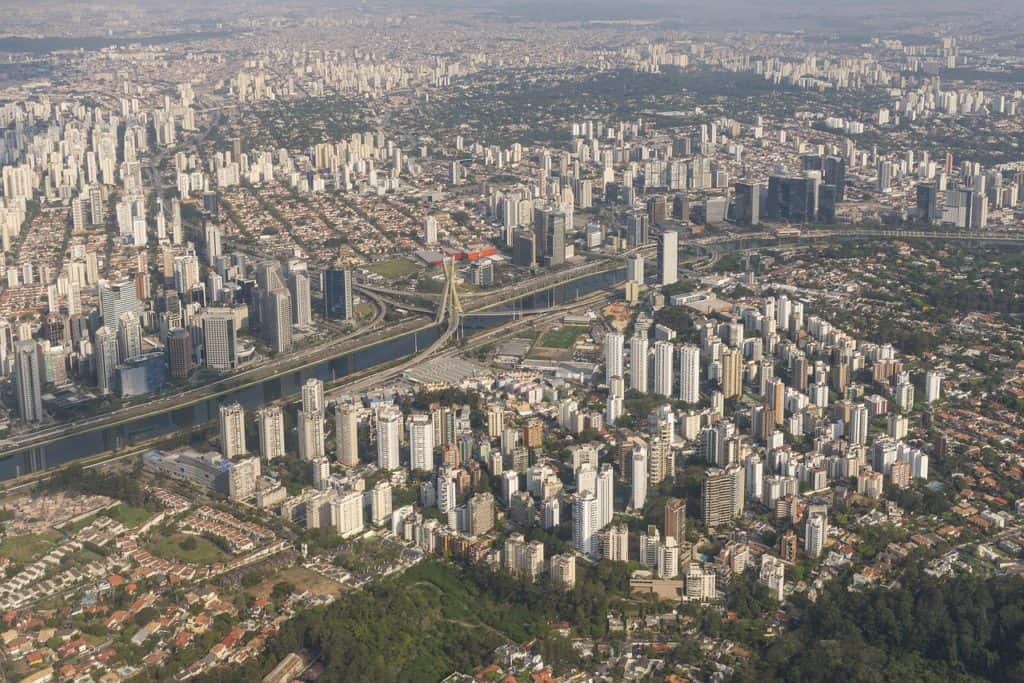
column 394, row 268
column 301, row 578
column 27, row 548
column 563, row 338
column 188, row 549
column 129, row 515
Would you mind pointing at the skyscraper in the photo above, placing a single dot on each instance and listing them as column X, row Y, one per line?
column 635, row 268
column 232, row 430
column 28, row 381
column 732, row 373
column 790, row 198
column 550, row 225
column 321, row 474
column 481, row 513
column 313, row 395
column 298, row 286
column 116, row 299
column 179, row 353
column 638, row 471
column 927, row 203
column 638, row 352
column 337, row 290
column 346, row 430
column 675, row 519
column 689, row 373
column 815, row 533
column 277, row 320
column 220, row 340
column 835, row 176
column 722, row 492
column 605, row 495
column 389, row 422
column 311, row 435
column 748, row 204
column 858, row 424
column 613, row 343
column 129, row 336
column 213, row 244
column 668, row 258
column 270, row 421
column 104, row 356
column 421, row 443
column 663, row 352
column 932, row 386
column 585, row 523
column 637, row 229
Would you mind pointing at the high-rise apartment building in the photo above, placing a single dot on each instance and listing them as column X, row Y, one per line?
column 663, row 352
column 270, row 424
column 675, row 519
column 311, row 435
column 346, row 431
column 421, row 443
column 722, row 495
column 313, row 395
column 585, row 521
column 689, row 373
column 232, row 430
column 638, row 362
column 389, row 424
column 613, row 344
column 732, row 373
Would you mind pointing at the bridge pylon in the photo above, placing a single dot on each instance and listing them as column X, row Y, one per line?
column 450, row 309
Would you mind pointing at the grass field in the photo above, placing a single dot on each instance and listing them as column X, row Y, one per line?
column 301, row 578
column 128, row 515
column 27, row 548
column 561, row 339
column 173, row 547
column 364, row 311
column 394, row 268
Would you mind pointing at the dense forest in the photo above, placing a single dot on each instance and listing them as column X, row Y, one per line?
column 439, row 617
column 925, row 629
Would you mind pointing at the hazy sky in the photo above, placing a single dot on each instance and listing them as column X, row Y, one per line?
column 851, row 16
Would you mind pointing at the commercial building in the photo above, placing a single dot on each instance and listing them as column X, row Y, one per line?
column 28, row 381
column 668, row 258
column 336, row 286
column 236, row 479
column 142, row 375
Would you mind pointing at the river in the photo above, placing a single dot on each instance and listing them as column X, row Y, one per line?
column 175, row 421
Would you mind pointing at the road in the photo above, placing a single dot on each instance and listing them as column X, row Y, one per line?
column 373, row 332
column 438, row 348
column 376, row 332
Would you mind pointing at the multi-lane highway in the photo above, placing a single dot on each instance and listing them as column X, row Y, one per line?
column 376, row 331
